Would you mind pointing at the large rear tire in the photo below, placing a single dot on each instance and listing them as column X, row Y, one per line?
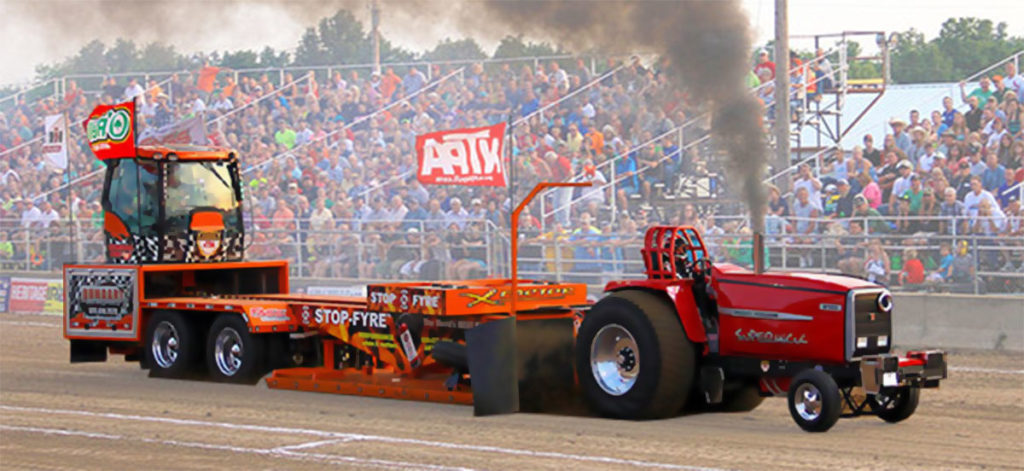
column 633, row 358
column 233, row 355
column 173, row 345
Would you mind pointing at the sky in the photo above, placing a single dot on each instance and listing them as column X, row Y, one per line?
column 35, row 32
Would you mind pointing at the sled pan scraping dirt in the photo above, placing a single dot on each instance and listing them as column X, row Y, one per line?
column 521, row 364
column 452, row 342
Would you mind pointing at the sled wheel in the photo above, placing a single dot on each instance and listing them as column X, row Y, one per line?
column 233, row 355
column 173, row 346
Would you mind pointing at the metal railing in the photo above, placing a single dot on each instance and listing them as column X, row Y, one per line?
column 72, row 126
column 323, row 71
column 355, row 251
column 11, row 100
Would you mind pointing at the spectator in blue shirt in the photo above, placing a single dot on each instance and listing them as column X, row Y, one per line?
column 948, row 112
column 901, row 138
column 994, row 176
column 625, row 173
column 413, row 81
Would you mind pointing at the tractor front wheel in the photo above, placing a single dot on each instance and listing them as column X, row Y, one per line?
column 633, row 358
column 814, row 401
column 896, row 406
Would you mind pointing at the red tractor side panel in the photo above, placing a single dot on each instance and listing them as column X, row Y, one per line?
column 772, row 320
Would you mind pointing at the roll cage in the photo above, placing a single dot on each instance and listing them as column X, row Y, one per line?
column 670, row 252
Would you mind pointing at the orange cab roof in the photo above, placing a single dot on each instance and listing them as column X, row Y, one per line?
column 184, row 152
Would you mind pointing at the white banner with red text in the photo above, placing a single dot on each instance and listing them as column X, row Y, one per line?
column 468, row 157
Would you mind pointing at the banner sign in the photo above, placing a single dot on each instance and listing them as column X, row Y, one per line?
column 337, row 290
column 468, row 157
column 110, row 130
column 55, row 148
column 5, row 292
column 102, row 303
column 54, row 297
column 31, row 295
column 188, row 131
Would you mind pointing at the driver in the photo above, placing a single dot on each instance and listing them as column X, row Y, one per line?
column 682, row 258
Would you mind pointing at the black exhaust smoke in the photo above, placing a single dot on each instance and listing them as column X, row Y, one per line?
column 708, row 45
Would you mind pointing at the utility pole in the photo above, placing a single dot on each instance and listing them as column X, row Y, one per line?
column 781, row 92
column 375, row 33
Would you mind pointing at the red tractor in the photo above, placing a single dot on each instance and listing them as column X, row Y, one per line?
column 177, row 295
column 696, row 335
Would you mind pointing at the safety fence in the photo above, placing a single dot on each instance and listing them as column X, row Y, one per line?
column 92, row 83
column 358, row 251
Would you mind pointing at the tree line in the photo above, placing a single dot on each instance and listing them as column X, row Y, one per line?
column 963, row 46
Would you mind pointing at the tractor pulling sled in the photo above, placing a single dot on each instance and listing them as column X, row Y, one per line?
column 177, row 296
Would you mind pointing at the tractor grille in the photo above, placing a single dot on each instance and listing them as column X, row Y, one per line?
column 872, row 327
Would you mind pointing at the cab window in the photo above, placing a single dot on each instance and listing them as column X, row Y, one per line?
column 133, row 196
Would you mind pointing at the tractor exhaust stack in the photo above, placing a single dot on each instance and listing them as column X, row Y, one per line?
column 758, row 252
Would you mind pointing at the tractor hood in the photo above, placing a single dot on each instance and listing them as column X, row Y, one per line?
column 799, row 280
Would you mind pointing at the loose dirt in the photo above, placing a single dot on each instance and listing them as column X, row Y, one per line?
column 54, row 415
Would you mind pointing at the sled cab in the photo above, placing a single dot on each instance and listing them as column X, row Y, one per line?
column 173, row 204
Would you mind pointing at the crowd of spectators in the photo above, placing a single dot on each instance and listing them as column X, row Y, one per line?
column 328, row 168
column 937, row 180
column 335, row 154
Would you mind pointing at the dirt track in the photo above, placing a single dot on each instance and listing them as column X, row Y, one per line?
column 111, row 416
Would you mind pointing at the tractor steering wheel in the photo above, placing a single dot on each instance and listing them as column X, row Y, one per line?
column 700, row 267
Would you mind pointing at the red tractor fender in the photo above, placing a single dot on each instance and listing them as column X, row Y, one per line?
column 679, row 294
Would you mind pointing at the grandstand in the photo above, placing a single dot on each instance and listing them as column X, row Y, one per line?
column 328, row 155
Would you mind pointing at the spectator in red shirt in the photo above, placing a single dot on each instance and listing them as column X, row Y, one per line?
column 913, row 269
column 764, row 63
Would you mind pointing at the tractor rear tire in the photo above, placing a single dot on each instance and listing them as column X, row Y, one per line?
column 744, row 399
column 233, row 354
column 633, row 359
column 814, row 401
column 173, row 345
column 901, row 407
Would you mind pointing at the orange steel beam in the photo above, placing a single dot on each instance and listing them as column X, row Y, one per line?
column 515, row 231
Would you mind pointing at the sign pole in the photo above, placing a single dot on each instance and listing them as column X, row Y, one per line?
column 511, row 187
column 68, row 170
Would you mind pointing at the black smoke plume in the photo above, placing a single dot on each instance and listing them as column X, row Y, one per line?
column 708, row 43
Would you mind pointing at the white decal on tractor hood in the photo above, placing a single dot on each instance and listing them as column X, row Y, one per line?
column 768, row 336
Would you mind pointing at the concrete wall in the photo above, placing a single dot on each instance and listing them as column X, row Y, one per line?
column 958, row 321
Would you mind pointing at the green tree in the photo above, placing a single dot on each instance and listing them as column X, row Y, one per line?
column 91, row 59
column 860, row 69
column 158, row 56
column 247, row 59
column 271, row 58
column 339, row 39
column 460, row 49
column 514, row 46
column 123, row 57
column 917, row 60
column 963, row 47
